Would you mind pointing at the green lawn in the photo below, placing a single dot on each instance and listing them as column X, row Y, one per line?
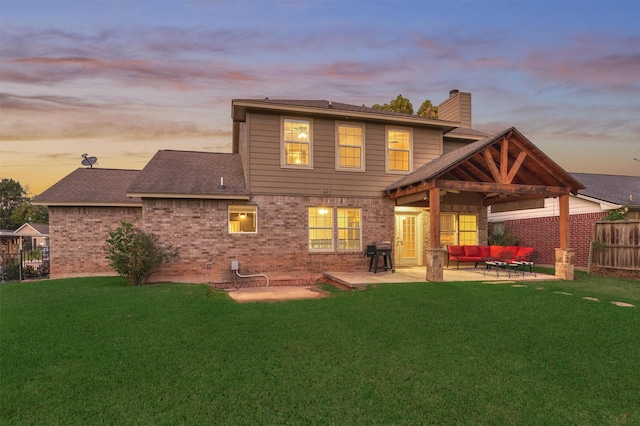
column 94, row 351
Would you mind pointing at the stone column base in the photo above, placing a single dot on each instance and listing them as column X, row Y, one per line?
column 434, row 259
column 564, row 263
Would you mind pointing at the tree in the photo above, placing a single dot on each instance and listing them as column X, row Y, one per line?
column 427, row 109
column 135, row 254
column 399, row 104
column 404, row 106
column 27, row 212
column 12, row 195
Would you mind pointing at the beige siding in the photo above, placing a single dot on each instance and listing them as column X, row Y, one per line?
column 449, row 146
column 457, row 108
column 267, row 177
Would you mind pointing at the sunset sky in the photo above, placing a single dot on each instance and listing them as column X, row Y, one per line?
column 122, row 79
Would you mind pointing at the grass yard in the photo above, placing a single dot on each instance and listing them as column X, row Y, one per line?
column 94, row 351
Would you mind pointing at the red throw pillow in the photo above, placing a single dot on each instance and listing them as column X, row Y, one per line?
column 495, row 251
column 459, row 250
column 525, row 253
column 472, row 251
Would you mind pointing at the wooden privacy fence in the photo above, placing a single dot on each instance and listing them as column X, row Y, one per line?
column 615, row 245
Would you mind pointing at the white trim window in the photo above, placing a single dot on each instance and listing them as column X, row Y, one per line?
column 320, row 229
column 349, row 228
column 458, row 229
column 243, row 219
column 399, row 152
column 350, row 147
column 297, row 143
column 467, row 229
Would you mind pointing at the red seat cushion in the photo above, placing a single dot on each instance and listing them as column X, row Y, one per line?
column 485, row 252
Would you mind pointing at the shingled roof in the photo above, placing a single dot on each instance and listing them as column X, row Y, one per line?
column 332, row 108
column 91, row 187
column 465, row 133
column 621, row 190
column 191, row 174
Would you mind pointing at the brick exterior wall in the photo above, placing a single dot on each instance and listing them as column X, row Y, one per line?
column 78, row 235
column 199, row 229
column 279, row 249
column 544, row 234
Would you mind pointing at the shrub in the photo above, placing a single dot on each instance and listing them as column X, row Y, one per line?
column 135, row 254
column 618, row 214
column 502, row 237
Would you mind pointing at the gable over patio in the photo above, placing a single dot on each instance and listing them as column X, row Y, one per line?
column 499, row 167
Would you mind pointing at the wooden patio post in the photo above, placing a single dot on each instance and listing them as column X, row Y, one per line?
column 434, row 255
column 564, row 254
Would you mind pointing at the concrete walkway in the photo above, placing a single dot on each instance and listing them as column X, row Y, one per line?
column 276, row 293
column 418, row 274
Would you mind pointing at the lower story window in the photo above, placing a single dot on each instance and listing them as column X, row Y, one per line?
column 349, row 229
column 458, row 229
column 320, row 228
column 467, row 229
column 243, row 219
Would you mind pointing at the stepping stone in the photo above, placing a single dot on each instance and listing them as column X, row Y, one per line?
column 562, row 292
column 595, row 299
column 518, row 285
column 623, row 304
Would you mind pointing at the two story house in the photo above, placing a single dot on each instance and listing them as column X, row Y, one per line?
column 307, row 186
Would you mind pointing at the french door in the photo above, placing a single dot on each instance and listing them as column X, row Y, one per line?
column 408, row 245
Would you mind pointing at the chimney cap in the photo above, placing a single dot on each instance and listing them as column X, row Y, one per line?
column 453, row 92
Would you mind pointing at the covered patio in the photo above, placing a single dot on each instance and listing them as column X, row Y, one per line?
column 416, row 274
column 498, row 169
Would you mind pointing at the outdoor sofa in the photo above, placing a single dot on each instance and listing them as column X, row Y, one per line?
column 477, row 254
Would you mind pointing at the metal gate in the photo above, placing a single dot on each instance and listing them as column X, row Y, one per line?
column 24, row 264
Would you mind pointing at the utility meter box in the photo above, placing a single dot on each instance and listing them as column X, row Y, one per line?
column 234, row 265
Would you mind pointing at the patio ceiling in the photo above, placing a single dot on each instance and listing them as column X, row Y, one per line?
column 499, row 167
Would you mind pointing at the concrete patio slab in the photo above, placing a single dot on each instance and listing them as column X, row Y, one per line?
column 418, row 274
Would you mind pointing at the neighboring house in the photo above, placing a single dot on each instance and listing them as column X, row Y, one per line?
column 34, row 234
column 532, row 221
column 9, row 245
column 307, row 186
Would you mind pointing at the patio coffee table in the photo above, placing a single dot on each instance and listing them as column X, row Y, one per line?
column 501, row 265
column 496, row 264
column 522, row 266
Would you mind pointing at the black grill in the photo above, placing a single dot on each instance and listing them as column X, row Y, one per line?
column 377, row 250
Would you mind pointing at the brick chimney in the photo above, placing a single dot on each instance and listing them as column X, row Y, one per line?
column 456, row 108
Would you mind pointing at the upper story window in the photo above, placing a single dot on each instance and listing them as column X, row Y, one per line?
column 399, row 149
column 296, row 143
column 243, row 219
column 350, row 146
